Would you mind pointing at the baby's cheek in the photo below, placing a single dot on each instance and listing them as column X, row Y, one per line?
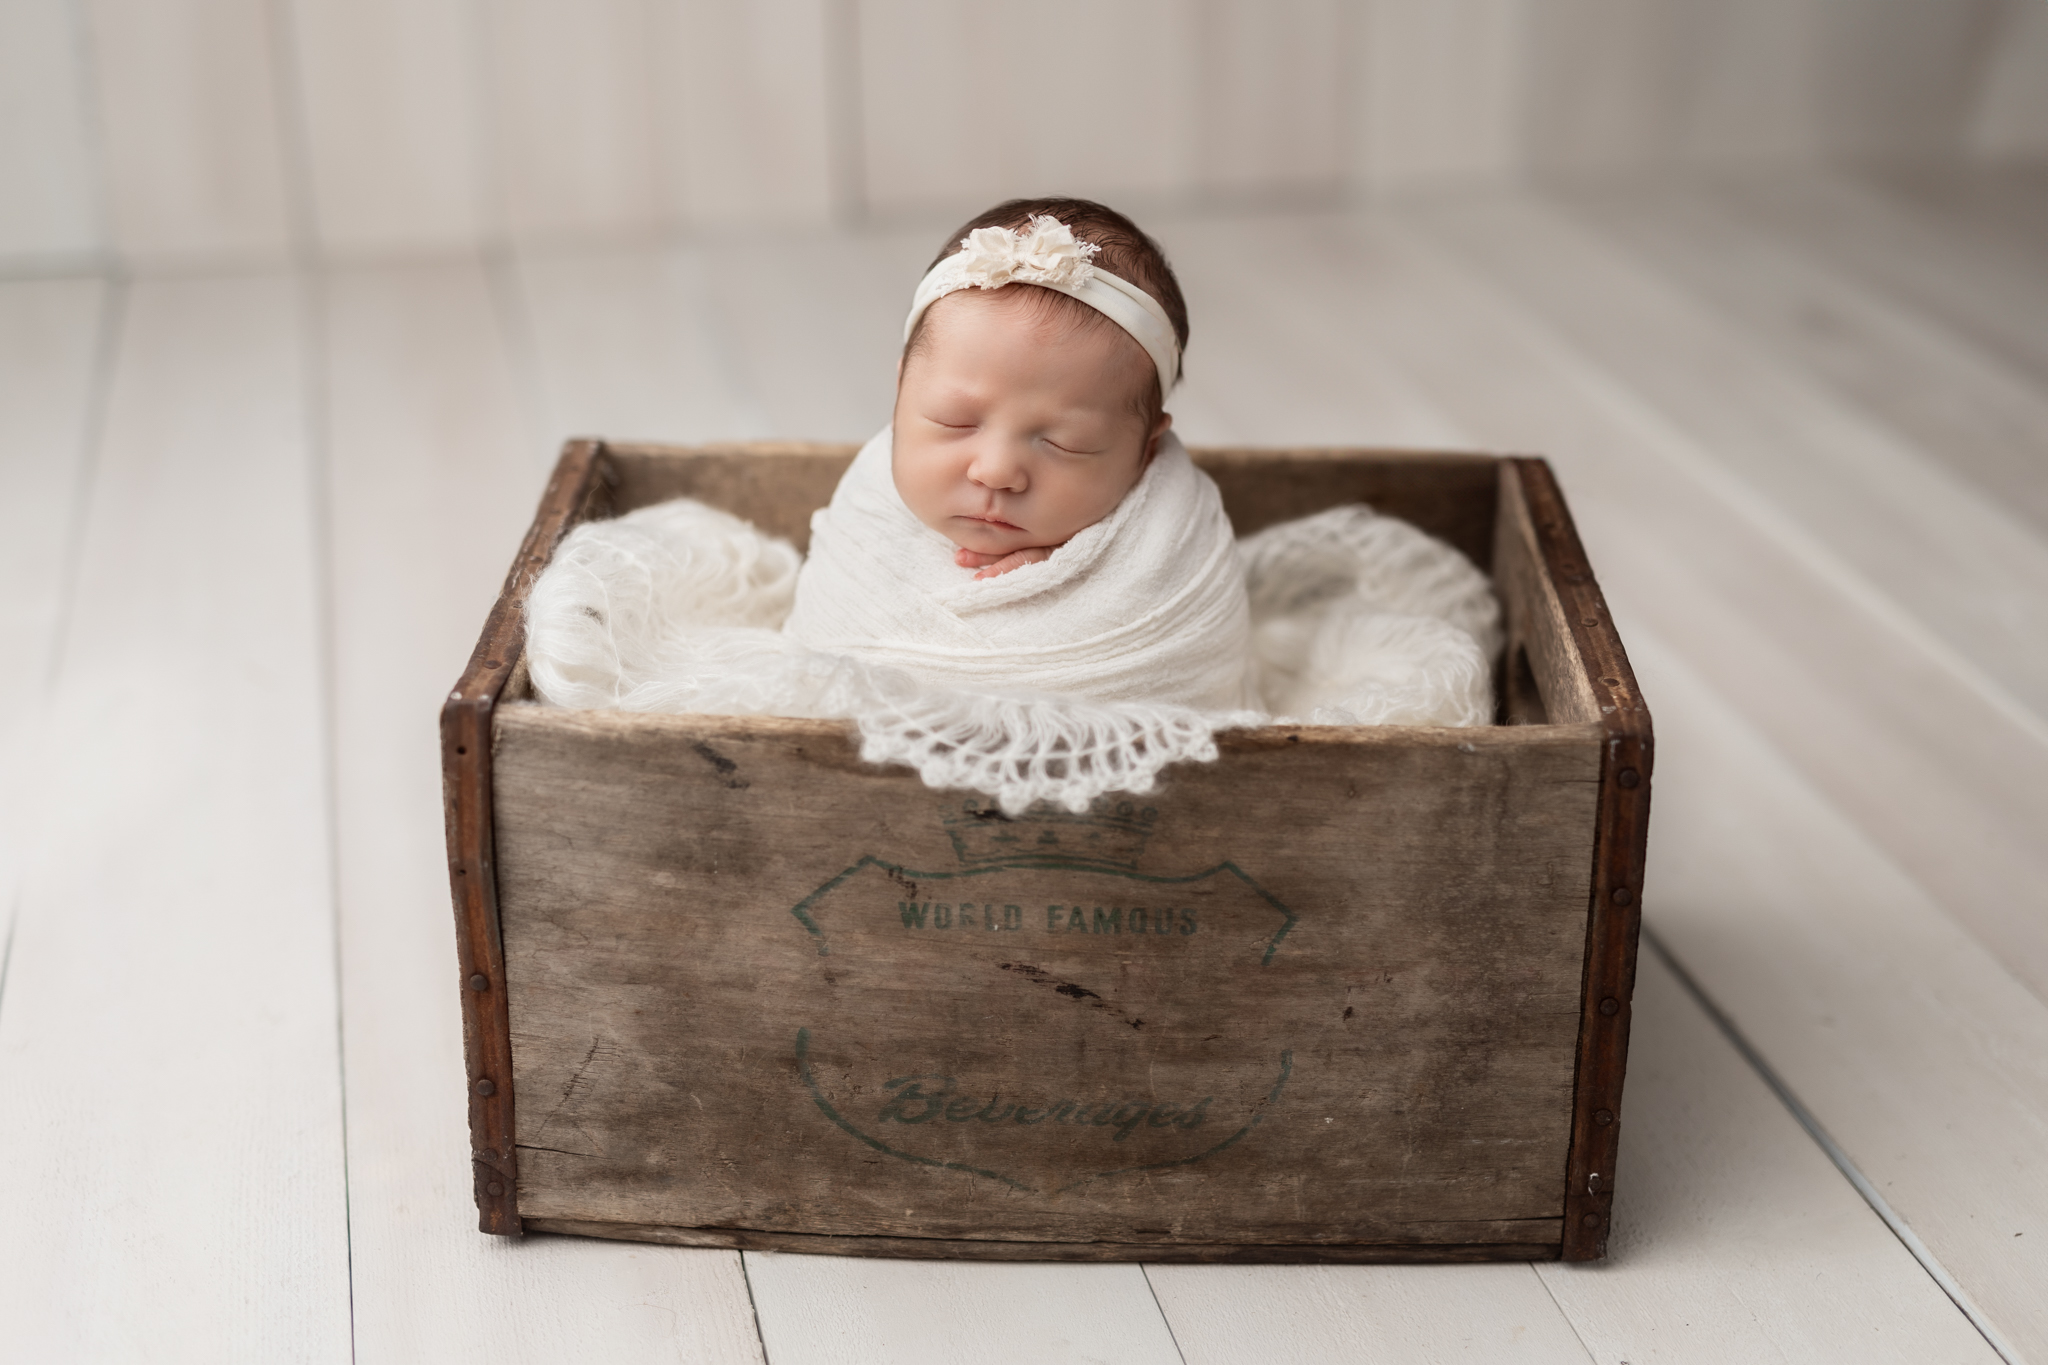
column 1096, row 496
column 919, row 483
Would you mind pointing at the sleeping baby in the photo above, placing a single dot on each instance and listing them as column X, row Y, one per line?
column 1028, row 520
column 1023, row 586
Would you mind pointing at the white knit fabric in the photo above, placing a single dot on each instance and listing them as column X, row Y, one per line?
column 1060, row 681
column 1365, row 620
column 1147, row 604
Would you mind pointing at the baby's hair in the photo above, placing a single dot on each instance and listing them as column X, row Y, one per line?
column 1126, row 252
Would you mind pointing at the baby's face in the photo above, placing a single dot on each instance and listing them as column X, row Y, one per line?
column 1014, row 430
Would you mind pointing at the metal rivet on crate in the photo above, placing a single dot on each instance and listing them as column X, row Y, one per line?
column 479, row 982
column 494, row 1188
column 1629, row 777
column 1591, row 1220
column 1603, row 1117
column 1622, row 896
column 1608, row 1006
column 486, row 1087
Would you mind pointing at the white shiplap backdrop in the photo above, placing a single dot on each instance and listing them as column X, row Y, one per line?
column 167, row 132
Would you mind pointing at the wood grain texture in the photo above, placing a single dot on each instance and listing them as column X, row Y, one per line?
column 991, row 1249
column 1626, row 757
column 774, row 484
column 422, row 399
column 578, row 487
column 786, row 809
column 171, row 1135
column 1543, row 649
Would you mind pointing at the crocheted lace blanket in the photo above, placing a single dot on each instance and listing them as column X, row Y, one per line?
column 1087, row 674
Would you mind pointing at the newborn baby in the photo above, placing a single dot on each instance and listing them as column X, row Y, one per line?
column 1023, row 586
column 1028, row 522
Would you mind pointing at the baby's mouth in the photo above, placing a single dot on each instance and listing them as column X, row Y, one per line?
column 996, row 522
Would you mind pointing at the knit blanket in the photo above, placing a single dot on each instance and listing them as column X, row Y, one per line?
column 1088, row 673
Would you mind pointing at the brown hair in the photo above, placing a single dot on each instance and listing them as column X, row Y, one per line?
column 1126, row 252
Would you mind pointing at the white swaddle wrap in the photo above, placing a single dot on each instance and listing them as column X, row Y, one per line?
column 1146, row 605
column 1087, row 673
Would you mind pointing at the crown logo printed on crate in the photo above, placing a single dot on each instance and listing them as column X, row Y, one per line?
column 1110, row 834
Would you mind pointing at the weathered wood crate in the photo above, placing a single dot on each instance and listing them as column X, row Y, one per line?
column 1347, row 994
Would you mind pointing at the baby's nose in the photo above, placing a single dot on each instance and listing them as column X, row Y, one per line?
column 996, row 466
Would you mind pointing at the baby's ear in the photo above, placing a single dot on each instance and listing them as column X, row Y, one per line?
column 1159, row 429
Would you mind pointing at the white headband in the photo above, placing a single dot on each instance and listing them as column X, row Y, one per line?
column 1046, row 254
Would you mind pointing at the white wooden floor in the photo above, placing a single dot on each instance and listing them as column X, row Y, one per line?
column 249, row 526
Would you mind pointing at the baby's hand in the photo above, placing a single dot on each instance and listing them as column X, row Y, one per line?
column 993, row 565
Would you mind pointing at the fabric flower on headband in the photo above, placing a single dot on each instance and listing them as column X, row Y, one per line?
column 1045, row 252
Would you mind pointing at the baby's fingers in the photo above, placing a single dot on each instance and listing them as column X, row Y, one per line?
column 1016, row 559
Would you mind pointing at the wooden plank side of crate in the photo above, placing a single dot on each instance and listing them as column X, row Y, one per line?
column 774, row 484
column 1449, row 494
column 764, row 987
column 578, row 489
column 1588, row 665
column 995, row 1249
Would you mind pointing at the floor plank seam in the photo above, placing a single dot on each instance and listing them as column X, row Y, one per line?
column 113, row 314
column 1854, row 1175
column 1578, row 1336
column 1697, row 460
column 753, row 1307
column 312, row 297
column 1171, row 1334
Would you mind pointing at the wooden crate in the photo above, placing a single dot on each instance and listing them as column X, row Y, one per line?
column 1347, row 994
